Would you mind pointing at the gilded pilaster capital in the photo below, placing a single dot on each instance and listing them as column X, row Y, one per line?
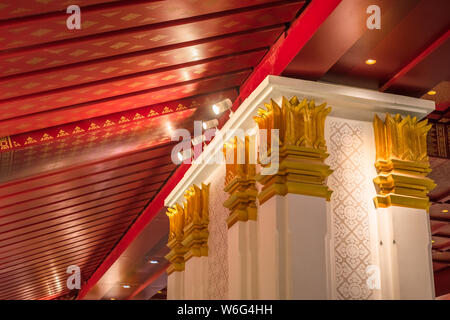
column 176, row 235
column 301, row 149
column 402, row 162
column 196, row 209
column 240, row 180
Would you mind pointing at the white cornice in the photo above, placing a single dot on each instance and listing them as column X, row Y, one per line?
column 346, row 102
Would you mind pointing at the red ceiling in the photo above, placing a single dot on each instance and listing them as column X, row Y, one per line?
column 84, row 113
column 84, row 117
column 338, row 51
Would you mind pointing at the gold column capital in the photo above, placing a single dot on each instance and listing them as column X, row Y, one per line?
column 196, row 208
column 302, row 148
column 240, row 181
column 188, row 236
column 176, row 234
column 402, row 162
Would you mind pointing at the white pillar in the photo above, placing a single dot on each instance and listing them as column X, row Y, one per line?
column 242, row 260
column 292, row 247
column 406, row 268
column 175, row 286
column 196, row 278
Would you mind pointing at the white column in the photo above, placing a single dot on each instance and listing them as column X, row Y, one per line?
column 196, row 278
column 242, row 260
column 292, row 248
column 406, row 268
column 175, row 286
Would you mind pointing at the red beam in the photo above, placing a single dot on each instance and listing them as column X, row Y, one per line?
column 275, row 61
column 148, row 282
column 155, row 206
column 288, row 45
column 436, row 44
column 443, row 106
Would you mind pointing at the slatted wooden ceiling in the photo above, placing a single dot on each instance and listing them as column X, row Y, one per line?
column 84, row 116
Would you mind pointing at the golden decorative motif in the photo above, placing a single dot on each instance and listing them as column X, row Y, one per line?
column 181, row 107
column 302, row 149
column 93, row 126
column 176, row 234
column 46, row 137
column 5, row 143
column 108, row 123
column 402, row 162
column 138, row 116
column 77, row 130
column 167, row 110
column 240, row 181
column 30, row 140
column 188, row 236
column 123, row 119
column 196, row 211
column 152, row 113
column 62, row 133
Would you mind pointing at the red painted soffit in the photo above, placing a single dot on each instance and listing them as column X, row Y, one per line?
column 275, row 61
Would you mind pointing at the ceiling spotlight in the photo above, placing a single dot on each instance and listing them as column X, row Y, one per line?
column 371, row 61
column 126, row 286
column 222, row 106
column 431, row 92
column 169, row 127
column 112, row 298
column 210, row 124
column 153, row 261
column 183, row 155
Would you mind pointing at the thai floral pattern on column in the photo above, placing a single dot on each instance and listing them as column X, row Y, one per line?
column 218, row 240
column 349, row 210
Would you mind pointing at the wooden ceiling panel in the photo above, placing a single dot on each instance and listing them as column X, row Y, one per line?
column 22, row 8
column 113, row 17
column 130, row 101
column 75, row 95
column 85, row 143
column 140, row 62
column 77, row 196
column 78, row 176
column 107, row 45
column 158, row 174
column 26, row 255
column 81, row 231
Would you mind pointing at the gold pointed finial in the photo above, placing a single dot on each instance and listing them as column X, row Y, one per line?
column 301, row 148
column 402, row 162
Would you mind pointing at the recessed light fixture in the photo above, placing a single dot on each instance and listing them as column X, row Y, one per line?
column 371, row 61
column 153, row 261
column 222, row 106
column 210, row 124
column 112, row 298
column 126, row 286
column 445, row 211
column 431, row 92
